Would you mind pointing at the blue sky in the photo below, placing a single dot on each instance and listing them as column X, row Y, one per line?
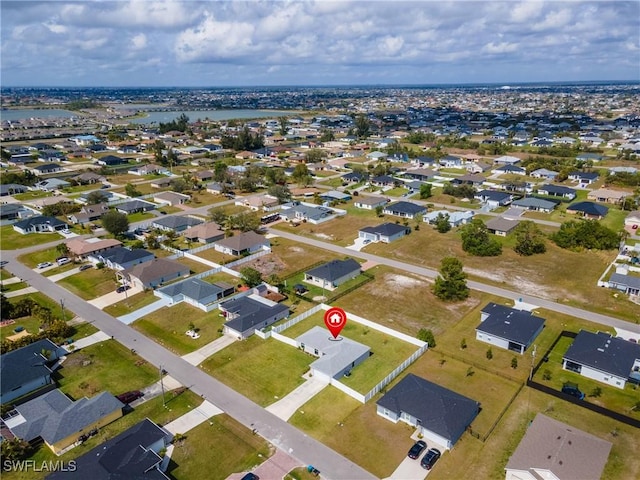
column 243, row 43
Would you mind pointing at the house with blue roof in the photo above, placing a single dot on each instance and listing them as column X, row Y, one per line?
column 508, row 328
column 588, row 210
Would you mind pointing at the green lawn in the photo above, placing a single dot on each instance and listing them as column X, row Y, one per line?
column 196, row 459
column 213, row 255
column 318, row 292
column 262, row 370
column 112, row 367
column 131, row 304
column 30, row 195
column 32, row 323
column 388, row 351
column 91, row 283
column 12, row 240
column 168, row 325
column 288, row 256
column 138, row 217
column 34, row 258
column 12, row 287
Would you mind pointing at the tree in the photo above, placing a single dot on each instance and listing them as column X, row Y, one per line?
column 62, row 249
column 275, row 176
column 442, row 223
column 315, row 155
column 427, row 336
column 514, row 363
column 451, row 284
column 425, row 190
column 463, row 344
column 115, row 223
column 379, row 210
column 245, row 221
column 327, row 135
column 489, row 353
column 96, row 196
column 14, row 449
column 131, row 191
column 6, row 308
column 529, row 239
column 170, row 238
column 363, row 126
column 284, row 125
column 251, row 277
column 281, row 192
column 477, row 241
column 218, row 216
column 301, row 175
column 581, row 234
column 220, row 173
column 178, row 185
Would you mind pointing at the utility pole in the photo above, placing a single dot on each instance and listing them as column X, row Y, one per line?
column 533, row 361
column 64, row 318
column 164, row 403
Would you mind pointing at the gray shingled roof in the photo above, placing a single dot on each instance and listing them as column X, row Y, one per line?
column 243, row 241
column 626, row 280
column 121, row 255
column 439, row 409
column 193, row 288
column 406, row 208
column 334, row 269
column 514, row 325
column 385, row 229
column 177, row 222
column 25, row 364
column 603, row 352
column 251, row 312
column 532, row 202
column 589, row 208
column 27, row 223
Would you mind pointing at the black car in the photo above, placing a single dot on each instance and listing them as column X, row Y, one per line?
column 250, row 476
column 123, row 288
column 417, row 449
column 128, row 397
column 572, row 389
column 430, row 458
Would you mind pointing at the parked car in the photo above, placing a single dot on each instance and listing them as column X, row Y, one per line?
column 430, row 458
column 572, row 389
column 251, row 476
column 86, row 266
column 128, row 397
column 45, row 264
column 123, row 288
column 63, row 260
column 417, row 449
column 3, row 263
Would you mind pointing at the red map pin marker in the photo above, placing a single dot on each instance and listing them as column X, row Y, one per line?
column 335, row 319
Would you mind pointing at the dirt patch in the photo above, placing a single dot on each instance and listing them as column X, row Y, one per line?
column 324, row 236
column 18, row 336
column 267, row 265
column 76, row 359
column 518, row 283
column 296, row 249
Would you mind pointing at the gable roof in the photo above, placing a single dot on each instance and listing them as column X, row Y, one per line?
column 122, row 255
column 177, row 222
column 334, row 269
column 584, row 175
column 588, row 208
column 515, row 325
column 205, row 231
column 604, row 352
column 157, row 268
column 124, row 457
column 82, row 246
column 386, row 229
column 136, row 204
column 251, row 311
column 193, row 288
column 439, row 409
column 502, row 224
column 370, row 200
column 534, row 202
column 625, row 280
column 557, row 189
column 243, row 241
column 510, row 168
column 27, row 223
column 406, row 208
column 493, row 195
column 565, row 451
column 25, row 364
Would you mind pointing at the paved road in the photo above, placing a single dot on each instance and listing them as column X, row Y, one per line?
column 304, row 448
column 482, row 287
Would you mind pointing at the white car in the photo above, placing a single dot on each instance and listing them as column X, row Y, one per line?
column 45, row 264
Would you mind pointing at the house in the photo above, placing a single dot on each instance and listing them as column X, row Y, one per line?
column 589, row 157
column 148, row 169
column 332, row 274
column 101, row 196
column 14, row 211
column 204, row 233
column 383, row 181
column 60, row 421
column 355, row 177
column 628, row 284
column 506, row 160
column 535, row 204
column 218, row 188
column 548, row 175
column 385, row 233
column 423, row 161
column 440, row 415
column 259, row 202
column 557, row 191
column 88, row 178
column 501, row 226
column 606, row 195
column 133, row 454
column 604, row 358
column 554, row 450
column 494, row 198
column 370, row 203
column 243, row 243
column 296, row 212
column 163, row 182
column 27, row 369
column 171, row 198
column 176, row 223
column 335, row 359
column 110, row 161
column 584, row 178
column 378, row 156
column 39, row 224
column 335, row 196
column 422, row 174
column 46, row 169
column 632, row 222
column 469, row 179
column 12, row 189
column 135, row 206
column 404, row 209
column 203, row 175
column 508, row 328
column 588, row 210
column 249, row 313
column 154, row 273
column 451, row 161
column 455, row 218
column 512, row 169
column 51, row 185
column 88, row 213
column 195, row 292
column 121, row 258
column 477, row 167
column 82, row 248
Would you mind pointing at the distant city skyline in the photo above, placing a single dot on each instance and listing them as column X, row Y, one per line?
column 275, row 43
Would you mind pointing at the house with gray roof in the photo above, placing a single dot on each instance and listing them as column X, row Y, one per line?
column 134, row 206
column 455, row 218
column 332, row 274
column 154, row 273
column 512, row 169
column 508, row 328
column 204, row 233
column 196, row 292
column 469, row 179
column 441, row 415
column 385, row 232
column 27, row 369
column 552, row 449
column 88, row 213
column 494, row 198
column 171, row 198
column 51, row 184
column 302, row 212
column 604, row 358
column 176, row 223
column 121, row 258
column 133, row 454
column 60, row 421
column 246, row 314
column 369, row 203
column 535, row 204
column 12, row 189
column 589, row 210
column 404, row 209
column 628, row 284
column 501, row 226
column 243, row 243
column 335, row 357
column 557, row 191
column 39, row 224
column 549, row 175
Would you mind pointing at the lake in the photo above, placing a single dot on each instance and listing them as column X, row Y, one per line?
column 23, row 113
column 164, row 117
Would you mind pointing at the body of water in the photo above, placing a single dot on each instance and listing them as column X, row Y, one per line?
column 164, row 117
column 24, row 113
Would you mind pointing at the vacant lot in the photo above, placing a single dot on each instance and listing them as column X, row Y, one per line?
column 91, row 283
column 195, row 458
column 263, row 370
column 12, row 240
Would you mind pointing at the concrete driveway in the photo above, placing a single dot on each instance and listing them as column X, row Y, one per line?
column 113, row 297
column 193, row 418
column 274, row 468
column 358, row 244
column 287, row 406
column 200, row 355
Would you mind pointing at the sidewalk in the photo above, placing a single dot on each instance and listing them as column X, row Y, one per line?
column 86, row 341
column 17, row 293
column 193, row 418
column 200, row 355
column 287, row 406
column 141, row 312
column 59, row 276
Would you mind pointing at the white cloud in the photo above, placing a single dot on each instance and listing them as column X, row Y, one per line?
column 139, row 41
column 502, row 47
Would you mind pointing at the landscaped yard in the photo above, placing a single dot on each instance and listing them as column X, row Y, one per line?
column 12, row 240
column 262, row 370
column 236, row 450
column 388, row 351
column 91, row 283
column 168, row 325
column 131, row 303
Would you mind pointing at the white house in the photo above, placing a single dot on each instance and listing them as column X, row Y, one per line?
column 369, row 203
column 508, row 328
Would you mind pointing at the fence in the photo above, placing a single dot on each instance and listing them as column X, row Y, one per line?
column 349, row 391
column 299, row 318
column 248, row 258
column 289, row 341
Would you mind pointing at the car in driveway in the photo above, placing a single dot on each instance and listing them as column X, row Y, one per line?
column 86, row 266
column 250, row 476
column 417, row 449
column 63, row 260
column 123, row 288
column 3, row 263
column 128, row 397
column 430, row 458
column 45, row 265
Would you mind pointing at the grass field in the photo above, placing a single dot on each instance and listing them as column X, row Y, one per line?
column 32, row 259
column 12, row 240
column 262, row 370
column 91, row 283
column 196, row 459
column 131, row 304
column 168, row 325
column 315, row 291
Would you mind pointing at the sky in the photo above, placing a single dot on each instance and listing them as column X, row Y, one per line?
column 322, row 42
